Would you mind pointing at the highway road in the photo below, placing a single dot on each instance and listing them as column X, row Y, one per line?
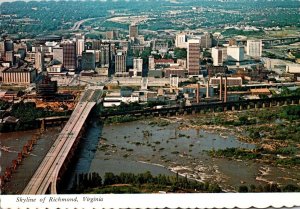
column 46, row 175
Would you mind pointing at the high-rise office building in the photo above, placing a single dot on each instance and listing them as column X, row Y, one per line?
column 120, row 62
column 133, row 31
column 79, row 47
column 138, row 64
column 217, row 55
column 58, row 54
column 254, row 48
column 39, row 61
column 206, row 41
column 151, row 63
column 180, row 41
column 69, row 55
column 137, row 67
column 105, row 55
column 235, row 53
column 88, row 61
column 2, row 49
column 193, row 57
column 9, row 57
column 7, row 50
column 8, row 45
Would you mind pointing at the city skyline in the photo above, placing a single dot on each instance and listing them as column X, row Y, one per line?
column 148, row 97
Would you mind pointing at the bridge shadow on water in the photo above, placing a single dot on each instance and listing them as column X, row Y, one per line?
column 83, row 155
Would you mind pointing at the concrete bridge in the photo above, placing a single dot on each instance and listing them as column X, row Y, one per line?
column 48, row 175
column 211, row 107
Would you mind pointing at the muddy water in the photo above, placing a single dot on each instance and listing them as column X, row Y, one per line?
column 15, row 142
column 139, row 146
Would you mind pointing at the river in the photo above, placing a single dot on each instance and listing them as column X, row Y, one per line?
column 147, row 145
column 143, row 146
column 15, row 141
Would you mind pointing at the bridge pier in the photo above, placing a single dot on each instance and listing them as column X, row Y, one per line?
column 43, row 126
column 256, row 106
column 248, row 107
column 225, row 109
column 293, row 102
column 278, row 104
column 241, row 107
column 285, row 103
column 233, row 108
column 20, row 157
column 263, row 105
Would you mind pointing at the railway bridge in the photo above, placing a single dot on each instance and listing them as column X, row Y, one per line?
column 211, row 107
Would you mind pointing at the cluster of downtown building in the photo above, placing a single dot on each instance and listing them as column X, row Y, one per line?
column 23, row 61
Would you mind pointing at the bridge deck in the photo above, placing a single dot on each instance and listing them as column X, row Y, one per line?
column 47, row 172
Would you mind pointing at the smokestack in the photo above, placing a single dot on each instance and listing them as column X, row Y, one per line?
column 225, row 90
column 221, row 84
column 198, row 92
column 207, row 89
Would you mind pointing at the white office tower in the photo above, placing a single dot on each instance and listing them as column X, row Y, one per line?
column 151, row 63
column 137, row 67
column 217, row 55
column 235, row 53
column 181, row 40
column 79, row 46
column 254, row 48
column 138, row 64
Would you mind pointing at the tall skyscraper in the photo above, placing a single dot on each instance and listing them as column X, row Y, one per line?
column 7, row 50
column 79, row 47
column 254, row 48
column 138, row 64
column 180, row 41
column 151, row 63
column 193, row 57
column 133, row 31
column 120, row 62
column 206, row 40
column 9, row 45
column 88, row 61
column 2, row 49
column 69, row 55
column 58, row 54
column 105, row 55
column 137, row 67
column 39, row 61
column 9, row 57
column 217, row 55
column 235, row 53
